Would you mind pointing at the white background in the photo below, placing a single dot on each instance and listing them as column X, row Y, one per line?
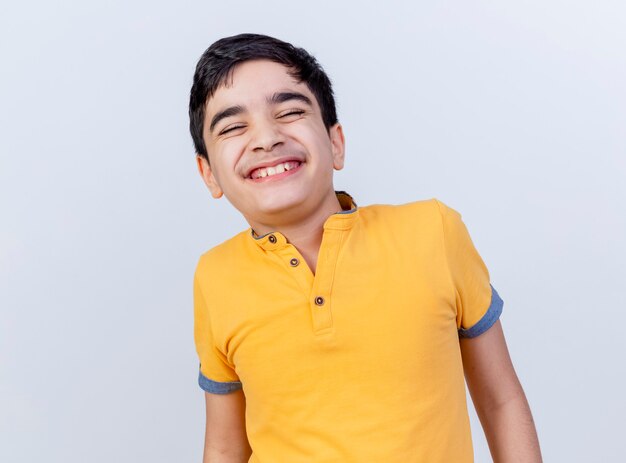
column 513, row 113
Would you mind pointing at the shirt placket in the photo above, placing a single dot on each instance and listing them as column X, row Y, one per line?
column 318, row 287
column 320, row 298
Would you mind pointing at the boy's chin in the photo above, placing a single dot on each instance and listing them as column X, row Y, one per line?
column 279, row 206
column 275, row 210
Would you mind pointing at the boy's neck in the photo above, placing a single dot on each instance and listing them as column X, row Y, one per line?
column 305, row 234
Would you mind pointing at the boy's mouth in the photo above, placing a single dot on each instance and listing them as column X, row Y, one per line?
column 268, row 171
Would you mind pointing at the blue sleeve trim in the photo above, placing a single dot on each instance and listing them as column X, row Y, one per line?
column 492, row 315
column 215, row 387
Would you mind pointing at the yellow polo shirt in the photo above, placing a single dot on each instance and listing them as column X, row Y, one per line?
column 361, row 361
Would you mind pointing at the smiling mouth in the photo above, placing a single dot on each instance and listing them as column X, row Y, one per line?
column 270, row 171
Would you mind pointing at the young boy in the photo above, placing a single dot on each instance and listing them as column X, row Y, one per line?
column 329, row 332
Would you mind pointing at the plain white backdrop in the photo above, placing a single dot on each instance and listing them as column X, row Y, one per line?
column 513, row 113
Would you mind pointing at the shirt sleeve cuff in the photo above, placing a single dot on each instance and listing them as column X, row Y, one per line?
column 216, row 387
column 490, row 317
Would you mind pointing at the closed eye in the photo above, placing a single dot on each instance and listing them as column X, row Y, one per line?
column 291, row 112
column 230, row 128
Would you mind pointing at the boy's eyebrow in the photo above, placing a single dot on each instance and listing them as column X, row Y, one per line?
column 228, row 112
column 281, row 97
column 276, row 98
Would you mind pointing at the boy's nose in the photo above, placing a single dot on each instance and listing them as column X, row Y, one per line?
column 266, row 137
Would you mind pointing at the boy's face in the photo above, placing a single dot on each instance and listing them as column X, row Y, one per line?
column 269, row 150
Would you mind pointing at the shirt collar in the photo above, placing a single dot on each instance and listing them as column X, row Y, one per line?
column 341, row 220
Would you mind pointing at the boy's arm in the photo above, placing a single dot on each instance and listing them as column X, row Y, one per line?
column 225, row 438
column 499, row 398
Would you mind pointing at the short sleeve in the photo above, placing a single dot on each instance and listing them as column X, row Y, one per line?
column 478, row 304
column 216, row 375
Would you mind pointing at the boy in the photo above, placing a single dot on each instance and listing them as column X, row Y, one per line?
column 328, row 332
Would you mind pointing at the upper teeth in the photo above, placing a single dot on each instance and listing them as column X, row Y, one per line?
column 277, row 169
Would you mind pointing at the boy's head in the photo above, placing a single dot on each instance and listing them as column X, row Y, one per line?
column 217, row 63
column 264, row 124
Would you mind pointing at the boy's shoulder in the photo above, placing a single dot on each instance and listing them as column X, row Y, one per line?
column 231, row 253
column 423, row 210
column 420, row 204
column 225, row 255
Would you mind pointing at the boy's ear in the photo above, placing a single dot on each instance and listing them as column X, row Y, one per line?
column 338, row 145
column 207, row 175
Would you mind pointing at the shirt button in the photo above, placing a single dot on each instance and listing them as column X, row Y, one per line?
column 272, row 239
column 294, row 262
column 319, row 300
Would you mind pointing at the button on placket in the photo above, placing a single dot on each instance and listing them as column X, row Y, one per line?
column 322, row 317
column 294, row 262
column 321, row 294
column 272, row 239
